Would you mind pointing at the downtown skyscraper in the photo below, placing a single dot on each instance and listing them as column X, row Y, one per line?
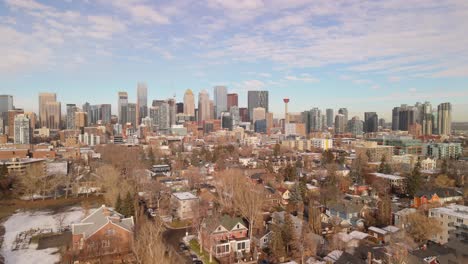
column 444, row 113
column 142, row 102
column 50, row 111
column 122, row 107
column 257, row 99
column 204, row 109
column 189, row 103
column 220, row 100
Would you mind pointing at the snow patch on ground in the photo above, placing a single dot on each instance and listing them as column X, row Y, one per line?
column 24, row 221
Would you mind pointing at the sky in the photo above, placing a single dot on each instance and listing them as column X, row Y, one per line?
column 363, row 55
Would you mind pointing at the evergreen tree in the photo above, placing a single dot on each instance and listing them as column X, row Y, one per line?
column 151, row 157
column 414, row 180
column 128, row 208
column 118, row 204
column 277, row 246
column 315, row 221
column 277, row 150
column 384, row 167
column 296, row 194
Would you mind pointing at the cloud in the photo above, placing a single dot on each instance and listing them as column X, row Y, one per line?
column 141, row 12
column 104, row 26
column 27, row 4
column 302, row 78
column 251, row 85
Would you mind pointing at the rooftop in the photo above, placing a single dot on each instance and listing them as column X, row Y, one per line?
column 388, row 176
column 185, row 196
column 459, row 211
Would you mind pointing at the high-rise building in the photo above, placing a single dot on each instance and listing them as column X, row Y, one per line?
column 406, row 117
column 444, row 111
column 244, row 114
column 235, row 115
column 189, row 103
column 355, row 126
column 172, row 111
column 71, row 118
column 382, row 123
column 371, row 122
column 87, row 109
column 395, row 118
column 6, row 104
column 122, row 105
column 340, row 124
column 427, row 119
column 11, row 121
column 22, row 130
column 315, row 120
column 259, row 113
column 159, row 115
column 131, row 114
column 329, row 117
column 100, row 114
column 226, row 120
column 142, row 102
column 269, row 122
column 204, row 106
column 232, row 100
column 344, row 112
column 44, row 115
column 257, row 99
column 220, row 100
column 179, row 108
column 32, row 119
column 81, row 120
column 53, row 114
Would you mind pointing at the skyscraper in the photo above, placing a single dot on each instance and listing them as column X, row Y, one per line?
column 22, row 130
column 45, row 98
column 235, row 115
column 344, row 112
column 11, row 121
column 340, row 124
column 355, row 126
column 329, row 117
column 179, row 108
column 396, row 118
column 444, row 111
column 172, row 111
column 203, row 106
column 220, row 100
column 122, row 105
column 6, row 104
column 160, row 116
column 53, row 114
column 427, row 119
column 70, row 118
column 131, row 114
column 232, row 100
column 406, row 117
column 257, row 99
column 189, row 103
column 142, row 102
column 259, row 113
column 315, row 120
column 371, row 121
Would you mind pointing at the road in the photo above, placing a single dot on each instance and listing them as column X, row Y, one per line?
column 173, row 237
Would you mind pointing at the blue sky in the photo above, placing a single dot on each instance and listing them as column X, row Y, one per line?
column 363, row 55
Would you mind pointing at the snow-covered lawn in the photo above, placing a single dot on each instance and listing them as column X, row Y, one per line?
column 24, row 221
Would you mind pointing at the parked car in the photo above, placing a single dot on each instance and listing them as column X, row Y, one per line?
column 194, row 257
column 197, row 261
column 183, row 247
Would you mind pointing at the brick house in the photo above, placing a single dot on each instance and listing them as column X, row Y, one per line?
column 224, row 236
column 436, row 196
column 103, row 232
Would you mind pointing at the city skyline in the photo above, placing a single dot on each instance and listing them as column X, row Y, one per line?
column 333, row 53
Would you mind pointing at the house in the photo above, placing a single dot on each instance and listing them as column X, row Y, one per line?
column 224, row 236
column 183, row 205
column 399, row 218
column 278, row 219
column 437, row 196
column 346, row 211
column 383, row 235
column 398, row 183
column 103, row 232
column 285, row 195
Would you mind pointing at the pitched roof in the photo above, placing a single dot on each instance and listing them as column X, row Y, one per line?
column 99, row 218
column 441, row 192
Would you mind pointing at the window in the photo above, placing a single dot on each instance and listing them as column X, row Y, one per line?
column 241, row 246
column 459, row 220
column 105, row 243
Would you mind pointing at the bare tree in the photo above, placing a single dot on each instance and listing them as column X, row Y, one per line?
column 30, row 181
column 148, row 246
column 60, row 221
column 113, row 183
column 226, row 183
column 421, row 227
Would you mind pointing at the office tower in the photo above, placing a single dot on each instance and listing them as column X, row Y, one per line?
column 418, row 112
column 306, row 120
column 226, row 120
column 382, row 123
column 160, row 116
column 330, row 115
column 395, row 118
column 179, row 108
column 260, row 126
column 340, row 123
column 6, row 104
column 220, row 100
column 269, row 122
column 101, row 113
column 257, row 99
column 189, row 103
column 427, row 119
column 142, row 102
column 54, row 115
column 435, row 122
column 235, row 115
column 370, row 122
column 232, row 100
column 71, row 118
column 172, row 111
column 286, row 116
column 2, row 126
column 81, row 120
column 203, row 106
column 444, row 111
column 131, row 114
column 122, row 105
column 344, row 112
column 244, row 114
column 315, row 120
column 11, row 121
column 406, row 117
column 258, row 113
column 22, row 130
column 212, row 110
column 44, row 118
column 355, row 126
